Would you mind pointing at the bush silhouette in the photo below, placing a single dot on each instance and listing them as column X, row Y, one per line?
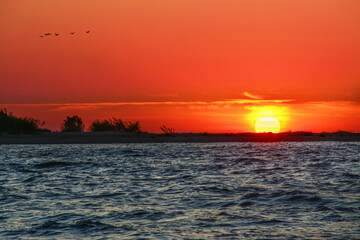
column 72, row 124
column 99, row 126
column 115, row 124
column 133, row 127
column 12, row 124
column 167, row 131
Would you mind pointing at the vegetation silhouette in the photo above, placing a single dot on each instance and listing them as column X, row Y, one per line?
column 115, row 124
column 72, row 124
column 133, row 127
column 167, row 131
column 12, row 124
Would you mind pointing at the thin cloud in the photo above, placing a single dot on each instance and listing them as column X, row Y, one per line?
column 152, row 103
column 252, row 96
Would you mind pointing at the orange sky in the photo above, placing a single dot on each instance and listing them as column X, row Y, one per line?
column 199, row 56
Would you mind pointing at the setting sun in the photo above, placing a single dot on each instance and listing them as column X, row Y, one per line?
column 267, row 124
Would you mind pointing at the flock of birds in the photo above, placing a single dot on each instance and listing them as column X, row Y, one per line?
column 57, row 34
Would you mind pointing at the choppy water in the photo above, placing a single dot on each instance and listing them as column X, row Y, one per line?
column 180, row 191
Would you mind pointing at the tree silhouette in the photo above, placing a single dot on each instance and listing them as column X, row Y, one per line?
column 12, row 124
column 72, row 124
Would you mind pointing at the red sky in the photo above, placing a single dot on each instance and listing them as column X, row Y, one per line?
column 198, row 56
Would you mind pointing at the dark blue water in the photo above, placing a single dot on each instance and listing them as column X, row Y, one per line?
column 180, row 191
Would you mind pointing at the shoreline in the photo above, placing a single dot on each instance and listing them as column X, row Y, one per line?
column 121, row 137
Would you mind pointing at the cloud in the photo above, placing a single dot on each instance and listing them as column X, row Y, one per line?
column 233, row 102
column 252, row 96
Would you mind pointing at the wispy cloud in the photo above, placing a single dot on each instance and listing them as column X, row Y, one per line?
column 252, row 96
column 64, row 106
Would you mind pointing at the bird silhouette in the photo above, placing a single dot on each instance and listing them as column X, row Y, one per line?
column 72, row 33
column 56, row 34
column 88, row 31
column 47, row 34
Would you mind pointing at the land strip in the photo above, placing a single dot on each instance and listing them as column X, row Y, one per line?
column 121, row 137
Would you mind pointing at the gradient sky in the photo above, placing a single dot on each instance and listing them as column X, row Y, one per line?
column 195, row 65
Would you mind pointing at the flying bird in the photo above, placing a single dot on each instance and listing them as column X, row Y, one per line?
column 47, row 34
column 72, row 33
column 56, row 34
column 88, row 31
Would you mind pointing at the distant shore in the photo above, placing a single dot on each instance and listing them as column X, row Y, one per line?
column 121, row 137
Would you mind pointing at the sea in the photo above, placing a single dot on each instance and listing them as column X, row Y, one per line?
column 280, row 190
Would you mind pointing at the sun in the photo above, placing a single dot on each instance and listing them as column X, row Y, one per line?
column 268, row 118
column 267, row 124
